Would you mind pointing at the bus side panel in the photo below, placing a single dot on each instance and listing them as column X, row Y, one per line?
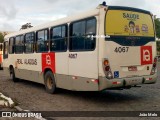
column 29, row 75
column 82, row 77
column 61, row 75
column 27, row 66
column 83, row 70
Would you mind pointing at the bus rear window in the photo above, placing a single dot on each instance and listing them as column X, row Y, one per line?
column 129, row 23
column 129, row 28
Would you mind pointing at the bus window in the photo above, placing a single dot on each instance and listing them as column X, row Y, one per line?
column 11, row 45
column 42, row 41
column 58, row 38
column 81, row 33
column 19, row 44
column 5, row 52
column 90, row 27
column 29, row 42
column 90, row 30
column 137, row 31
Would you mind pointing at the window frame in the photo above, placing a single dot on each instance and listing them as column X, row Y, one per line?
column 13, row 49
column 5, row 56
column 66, row 34
column 23, row 44
column 70, row 31
column 48, row 39
column 33, row 43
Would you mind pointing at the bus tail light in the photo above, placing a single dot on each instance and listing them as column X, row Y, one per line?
column 107, row 69
column 106, row 62
column 154, row 67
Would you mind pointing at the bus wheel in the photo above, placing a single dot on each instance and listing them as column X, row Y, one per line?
column 12, row 75
column 50, row 82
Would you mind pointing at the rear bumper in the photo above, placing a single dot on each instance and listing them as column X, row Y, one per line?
column 105, row 83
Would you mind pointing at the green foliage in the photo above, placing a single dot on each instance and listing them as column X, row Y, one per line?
column 1, row 37
column 157, row 26
column 158, row 45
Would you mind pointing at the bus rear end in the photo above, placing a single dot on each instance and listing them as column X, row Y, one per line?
column 130, row 49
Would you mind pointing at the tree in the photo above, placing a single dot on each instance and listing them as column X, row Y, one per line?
column 25, row 26
column 1, row 37
column 157, row 27
column 158, row 47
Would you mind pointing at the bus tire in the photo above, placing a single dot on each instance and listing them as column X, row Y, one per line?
column 12, row 75
column 50, row 83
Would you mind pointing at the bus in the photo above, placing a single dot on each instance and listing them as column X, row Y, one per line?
column 110, row 47
column 1, row 55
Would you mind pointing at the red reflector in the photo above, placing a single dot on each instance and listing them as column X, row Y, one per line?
column 96, row 81
column 148, row 78
column 74, row 77
column 116, row 83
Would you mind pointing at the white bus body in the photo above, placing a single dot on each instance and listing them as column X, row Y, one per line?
column 109, row 47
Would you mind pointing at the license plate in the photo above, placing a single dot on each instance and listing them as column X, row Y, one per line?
column 132, row 68
column 134, row 81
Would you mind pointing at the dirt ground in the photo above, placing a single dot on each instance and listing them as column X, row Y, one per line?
column 32, row 96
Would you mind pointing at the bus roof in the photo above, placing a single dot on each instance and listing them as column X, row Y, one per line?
column 73, row 18
column 61, row 21
column 128, row 9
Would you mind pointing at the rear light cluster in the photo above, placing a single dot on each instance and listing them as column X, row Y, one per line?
column 107, row 69
column 154, row 67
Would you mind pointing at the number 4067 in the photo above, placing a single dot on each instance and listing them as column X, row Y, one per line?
column 121, row 49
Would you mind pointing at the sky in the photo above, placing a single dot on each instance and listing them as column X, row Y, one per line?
column 15, row 13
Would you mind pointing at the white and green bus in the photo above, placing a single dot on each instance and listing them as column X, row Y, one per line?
column 110, row 47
